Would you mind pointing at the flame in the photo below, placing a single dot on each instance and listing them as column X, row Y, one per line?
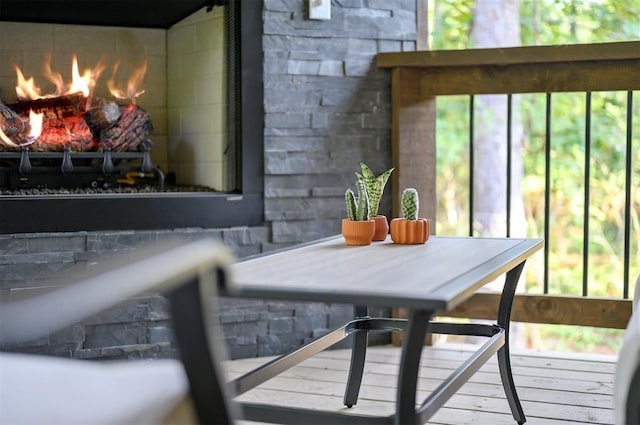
column 80, row 83
column 26, row 89
column 35, row 123
column 54, row 77
column 135, row 81
column 87, row 81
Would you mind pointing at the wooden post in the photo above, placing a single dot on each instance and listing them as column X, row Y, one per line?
column 413, row 138
column 413, row 141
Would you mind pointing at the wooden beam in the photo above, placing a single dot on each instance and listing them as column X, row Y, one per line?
column 548, row 309
column 531, row 78
column 413, row 142
column 569, row 53
column 552, row 309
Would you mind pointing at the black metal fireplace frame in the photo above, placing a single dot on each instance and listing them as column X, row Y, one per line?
column 243, row 206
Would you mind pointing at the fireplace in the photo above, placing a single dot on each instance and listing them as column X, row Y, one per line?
column 229, row 192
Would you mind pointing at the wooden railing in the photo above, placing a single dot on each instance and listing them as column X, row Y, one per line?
column 419, row 77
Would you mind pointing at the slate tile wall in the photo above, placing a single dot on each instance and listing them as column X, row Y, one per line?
column 327, row 108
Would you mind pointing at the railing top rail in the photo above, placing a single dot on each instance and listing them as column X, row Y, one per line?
column 625, row 50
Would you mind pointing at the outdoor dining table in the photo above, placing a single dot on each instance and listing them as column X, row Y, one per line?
column 427, row 279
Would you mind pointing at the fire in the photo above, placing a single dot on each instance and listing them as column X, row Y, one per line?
column 26, row 89
column 35, row 130
column 54, row 77
column 80, row 83
column 70, row 117
column 87, row 81
column 135, row 81
column 35, row 122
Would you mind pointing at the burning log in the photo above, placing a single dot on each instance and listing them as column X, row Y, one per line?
column 62, row 126
column 60, row 106
column 102, row 114
column 69, row 133
column 130, row 131
column 10, row 122
column 67, row 125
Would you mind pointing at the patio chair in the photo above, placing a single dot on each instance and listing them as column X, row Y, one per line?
column 626, row 392
column 39, row 389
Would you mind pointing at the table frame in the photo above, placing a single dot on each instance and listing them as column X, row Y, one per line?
column 416, row 326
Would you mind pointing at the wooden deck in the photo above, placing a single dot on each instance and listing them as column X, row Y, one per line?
column 554, row 388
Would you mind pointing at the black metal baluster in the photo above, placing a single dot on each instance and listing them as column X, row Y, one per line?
column 587, row 179
column 547, row 190
column 627, row 196
column 509, row 165
column 471, row 160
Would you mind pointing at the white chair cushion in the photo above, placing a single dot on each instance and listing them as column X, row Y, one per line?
column 40, row 390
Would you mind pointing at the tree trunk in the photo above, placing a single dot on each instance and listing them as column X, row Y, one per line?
column 496, row 23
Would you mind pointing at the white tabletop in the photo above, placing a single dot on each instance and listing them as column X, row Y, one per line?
column 435, row 276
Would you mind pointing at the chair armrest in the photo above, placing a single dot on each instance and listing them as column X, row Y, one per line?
column 161, row 269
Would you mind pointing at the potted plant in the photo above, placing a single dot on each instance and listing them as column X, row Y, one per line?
column 358, row 228
column 409, row 229
column 375, row 189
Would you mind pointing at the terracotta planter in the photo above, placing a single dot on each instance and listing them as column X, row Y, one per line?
column 358, row 232
column 382, row 228
column 409, row 231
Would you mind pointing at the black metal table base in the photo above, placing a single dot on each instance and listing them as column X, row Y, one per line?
column 415, row 328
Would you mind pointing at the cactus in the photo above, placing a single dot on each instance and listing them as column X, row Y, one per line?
column 350, row 199
column 375, row 186
column 362, row 211
column 358, row 209
column 410, row 204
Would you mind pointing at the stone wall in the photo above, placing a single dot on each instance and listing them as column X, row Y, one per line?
column 141, row 327
column 327, row 108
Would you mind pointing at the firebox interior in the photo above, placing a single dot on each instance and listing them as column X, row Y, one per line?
column 242, row 204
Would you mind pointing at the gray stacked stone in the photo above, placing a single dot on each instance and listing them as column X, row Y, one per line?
column 140, row 327
column 327, row 108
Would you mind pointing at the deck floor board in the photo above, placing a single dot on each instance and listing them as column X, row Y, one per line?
column 554, row 388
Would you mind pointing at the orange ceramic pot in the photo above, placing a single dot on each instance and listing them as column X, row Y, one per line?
column 382, row 228
column 358, row 232
column 409, row 231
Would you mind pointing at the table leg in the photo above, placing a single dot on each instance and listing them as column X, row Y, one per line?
column 412, row 344
column 504, row 360
column 358, row 354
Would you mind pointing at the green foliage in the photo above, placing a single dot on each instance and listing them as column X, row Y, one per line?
column 548, row 22
column 358, row 209
column 375, row 186
column 410, row 204
column 542, row 22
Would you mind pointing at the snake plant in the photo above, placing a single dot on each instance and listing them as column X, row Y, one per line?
column 375, row 186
